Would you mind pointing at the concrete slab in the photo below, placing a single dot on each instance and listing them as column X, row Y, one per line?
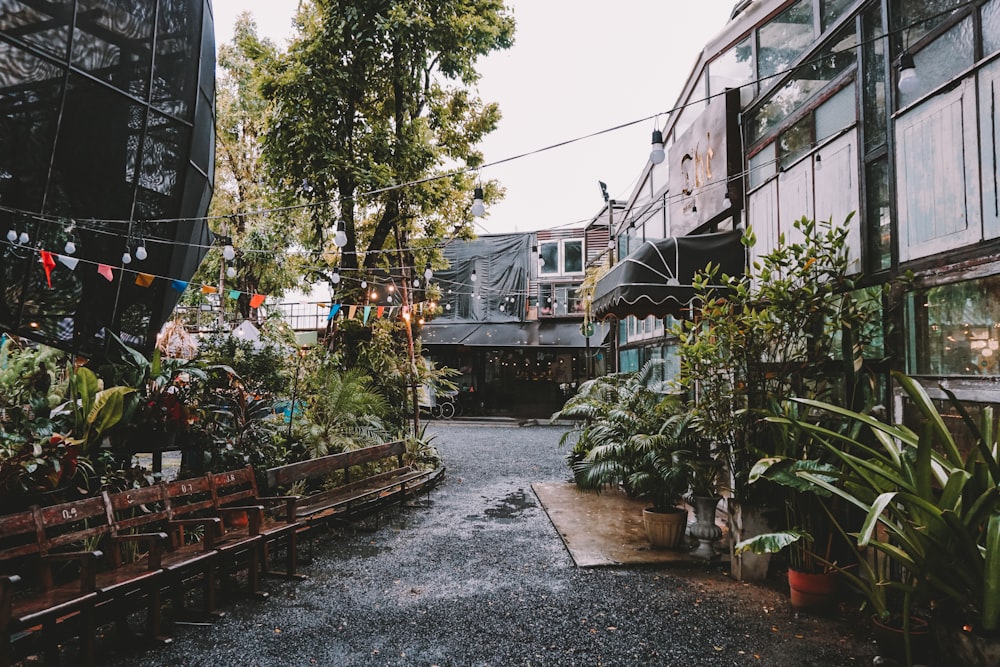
column 601, row 529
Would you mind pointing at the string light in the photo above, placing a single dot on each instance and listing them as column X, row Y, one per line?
column 140, row 253
column 228, row 253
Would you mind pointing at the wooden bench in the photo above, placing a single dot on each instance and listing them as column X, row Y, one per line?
column 276, row 524
column 60, row 609
column 358, row 489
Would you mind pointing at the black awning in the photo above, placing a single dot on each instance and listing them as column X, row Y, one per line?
column 452, row 333
column 504, row 334
column 569, row 334
column 656, row 278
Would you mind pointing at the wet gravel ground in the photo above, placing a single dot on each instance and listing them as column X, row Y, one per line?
column 475, row 575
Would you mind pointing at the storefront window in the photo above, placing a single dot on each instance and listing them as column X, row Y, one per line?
column 955, row 329
column 573, row 257
column 874, row 77
column 991, row 27
column 548, row 258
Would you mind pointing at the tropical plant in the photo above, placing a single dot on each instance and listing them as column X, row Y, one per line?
column 420, row 450
column 930, row 508
column 344, row 411
column 629, row 434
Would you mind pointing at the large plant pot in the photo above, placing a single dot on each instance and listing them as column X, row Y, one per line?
column 812, row 592
column 964, row 646
column 704, row 529
column 746, row 521
column 891, row 640
column 665, row 527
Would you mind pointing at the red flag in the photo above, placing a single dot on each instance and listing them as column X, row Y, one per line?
column 49, row 263
column 256, row 300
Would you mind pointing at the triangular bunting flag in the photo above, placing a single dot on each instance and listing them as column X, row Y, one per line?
column 178, row 285
column 69, row 262
column 381, row 309
column 144, row 279
column 48, row 263
column 334, row 309
column 368, row 311
column 234, row 294
column 351, row 311
column 106, row 271
column 208, row 289
column 256, row 300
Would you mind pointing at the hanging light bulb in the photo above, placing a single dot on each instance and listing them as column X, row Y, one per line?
column 374, row 295
column 340, row 238
column 230, row 272
column 391, row 288
column 69, row 248
column 140, row 253
column 335, row 278
column 428, row 273
column 818, row 163
column 416, row 283
column 447, row 306
column 388, row 299
column 909, row 80
column 478, row 209
column 502, row 308
column 726, row 201
column 23, row 238
column 228, row 253
column 656, row 154
column 126, row 257
column 473, row 277
column 364, row 284
column 11, row 235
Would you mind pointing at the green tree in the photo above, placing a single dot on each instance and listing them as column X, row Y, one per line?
column 243, row 193
column 371, row 95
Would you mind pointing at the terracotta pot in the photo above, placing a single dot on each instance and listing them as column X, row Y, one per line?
column 892, row 641
column 665, row 528
column 812, row 591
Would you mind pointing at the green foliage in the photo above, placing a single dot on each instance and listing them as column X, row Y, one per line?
column 931, row 509
column 421, row 451
column 629, row 435
column 344, row 411
column 790, row 326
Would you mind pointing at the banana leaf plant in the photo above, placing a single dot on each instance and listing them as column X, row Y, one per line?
column 930, row 508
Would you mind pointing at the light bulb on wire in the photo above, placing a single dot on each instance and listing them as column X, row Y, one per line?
column 478, row 209
column 11, row 235
column 656, row 154
column 126, row 257
column 228, row 253
column 335, row 278
column 23, row 238
column 231, row 272
column 140, row 253
column 340, row 238
column 69, row 248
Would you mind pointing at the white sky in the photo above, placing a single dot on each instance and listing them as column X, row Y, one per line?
column 576, row 67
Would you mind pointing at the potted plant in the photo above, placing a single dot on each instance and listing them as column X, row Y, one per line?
column 761, row 337
column 930, row 509
column 628, row 437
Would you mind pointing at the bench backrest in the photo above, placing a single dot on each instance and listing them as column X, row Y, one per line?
column 324, row 466
column 234, row 486
column 18, row 536
column 74, row 522
column 140, row 508
column 190, row 497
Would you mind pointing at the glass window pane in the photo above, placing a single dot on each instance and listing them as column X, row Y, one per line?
column 916, row 18
column 733, row 69
column 762, row 166
column 833, row 10
column 795, row 142
column 784, row 39
column 941, row 60
column 573, row 257
column 836, row 113
column 877, row 220
column 955, row 329
column 874, row 77
column 837, row 57
column 548, row 257
column 991, row 27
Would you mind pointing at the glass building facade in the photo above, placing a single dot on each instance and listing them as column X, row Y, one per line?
column 107, row 139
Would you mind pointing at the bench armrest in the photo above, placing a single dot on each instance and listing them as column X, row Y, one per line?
column 213, row 528
column 88, row 566
column 155, row 541
column 290, row 501
column 254, row 514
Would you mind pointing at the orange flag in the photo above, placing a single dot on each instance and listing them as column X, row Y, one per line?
column 256, row 300
column 208, row 289
column 144, row 279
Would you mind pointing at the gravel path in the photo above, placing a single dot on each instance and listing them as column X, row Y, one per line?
column 475, row 575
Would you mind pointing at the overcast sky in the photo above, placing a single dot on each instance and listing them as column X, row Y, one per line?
column 577, row 67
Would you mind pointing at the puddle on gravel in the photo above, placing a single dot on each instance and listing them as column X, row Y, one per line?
column 511, row 506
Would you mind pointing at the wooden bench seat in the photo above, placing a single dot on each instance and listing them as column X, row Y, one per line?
column 359, row 490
